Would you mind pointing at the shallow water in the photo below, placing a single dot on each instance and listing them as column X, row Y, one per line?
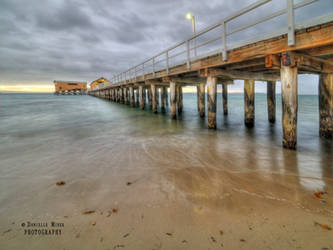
column 97, row 146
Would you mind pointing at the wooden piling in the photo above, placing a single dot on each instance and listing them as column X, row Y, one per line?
column 289, row 106
column 173, row 100
column 201, row 93
column 131, row 93
column 137, row 97
column 141, row 97
column 149, row 97
column 154, row 98
column 249, row 103
column 163, row 97
column 326, row 105
column 157, row 96
column 179, row 99
column 271, row 101
column 121, row 92
column 166, row 98
column 198, row 94
column 225, row 98
column 211, row 98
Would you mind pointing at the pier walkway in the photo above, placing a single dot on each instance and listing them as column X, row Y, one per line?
column 298, row 48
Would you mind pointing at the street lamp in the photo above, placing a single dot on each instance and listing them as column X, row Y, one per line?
column 191, row 17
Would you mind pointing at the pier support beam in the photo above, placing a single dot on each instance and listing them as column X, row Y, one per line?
column 326, row 105
column 149, row 97
column 289, row 106
column 211, row 97
column 166, row 96
column 137, row 97
column 154, row 98
column 198, row 98
column 163, row 98
column 142, row 97
column 121, row 92
column 173, row 100
column 271, row 101
column 131, row 93
column 180, row 99
column 201, row 100
column 125, row 96
column 157, row 96
column 225, row 98
column 249, row 103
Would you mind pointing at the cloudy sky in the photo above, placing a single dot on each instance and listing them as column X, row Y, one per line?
column 44, row 40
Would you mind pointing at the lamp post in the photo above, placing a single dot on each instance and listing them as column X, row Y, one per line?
column 190, row 16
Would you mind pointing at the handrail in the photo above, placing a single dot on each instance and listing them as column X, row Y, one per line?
column 149, row 65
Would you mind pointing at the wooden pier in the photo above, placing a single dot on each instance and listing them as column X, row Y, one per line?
column 70, row 88
column 305, row 48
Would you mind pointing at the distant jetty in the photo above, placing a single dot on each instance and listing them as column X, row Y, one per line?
column 70, row 88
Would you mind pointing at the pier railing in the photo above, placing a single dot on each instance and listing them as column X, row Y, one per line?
column 183, row 53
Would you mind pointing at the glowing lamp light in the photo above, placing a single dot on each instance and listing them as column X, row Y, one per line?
column 189, row 16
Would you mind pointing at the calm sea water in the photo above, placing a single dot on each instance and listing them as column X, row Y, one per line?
column 38, row 130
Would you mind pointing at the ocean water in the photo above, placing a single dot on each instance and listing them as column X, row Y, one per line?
column 32, row 124
column 184, row 176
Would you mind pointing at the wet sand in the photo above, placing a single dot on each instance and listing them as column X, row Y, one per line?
column 172, row 187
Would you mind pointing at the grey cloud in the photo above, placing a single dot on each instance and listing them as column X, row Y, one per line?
column 46, row 39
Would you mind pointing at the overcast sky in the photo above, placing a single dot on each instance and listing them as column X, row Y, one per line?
column 44, row 40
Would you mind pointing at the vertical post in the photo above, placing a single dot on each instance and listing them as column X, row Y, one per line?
column 121, row 95
column 289, row 105
column 166, row 97
column 198, row 90
column 131, row 92
column 188, row 60
column 224, row 42
column 271, row 101
column 180, row 99
column 149, row 97
column 154, row 98
column 153, row 66
column 163, row 96
column 291, row 22
column 142, row 101
column 157, row 96
column 201, row 99
column 126, row 96
column 173, row 100
column 326, row 105
column 249, row 103
column 137, row 97
column 225, row 98
column 167, row 61
column 211, row 97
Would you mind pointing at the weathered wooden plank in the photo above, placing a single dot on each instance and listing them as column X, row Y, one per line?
column 326, row 105
column 211, row 97
column 249, row 103
column 289, row 106
column 271, row 101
